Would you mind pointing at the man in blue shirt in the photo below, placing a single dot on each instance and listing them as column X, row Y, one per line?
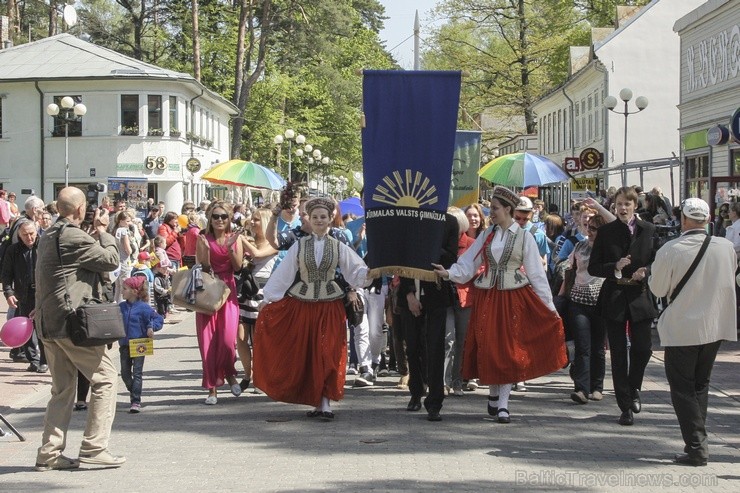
column 523, row 216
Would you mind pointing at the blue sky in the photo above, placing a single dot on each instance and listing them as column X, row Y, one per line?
column 400, row 25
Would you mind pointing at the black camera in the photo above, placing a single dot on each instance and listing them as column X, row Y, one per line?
column 92, row 194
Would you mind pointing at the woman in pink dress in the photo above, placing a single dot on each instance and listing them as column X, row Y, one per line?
column 219, row 251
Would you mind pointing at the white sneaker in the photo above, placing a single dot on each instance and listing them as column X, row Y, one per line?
column 520, row 387
column 473, row 384
column 211, row 400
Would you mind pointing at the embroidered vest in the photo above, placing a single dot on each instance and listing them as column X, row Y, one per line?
column 316, row 282
column 506, row 273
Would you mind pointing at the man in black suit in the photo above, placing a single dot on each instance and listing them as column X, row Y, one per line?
column 423, row 317
column 622, row 253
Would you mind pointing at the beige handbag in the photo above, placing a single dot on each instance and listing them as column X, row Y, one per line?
column 199, row 291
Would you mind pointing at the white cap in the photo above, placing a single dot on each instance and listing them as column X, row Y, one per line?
column 695, row 209
column 524, row 204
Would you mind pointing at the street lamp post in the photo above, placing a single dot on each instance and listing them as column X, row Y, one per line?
column 611, row 102
column 290, row 136
column 70, row 112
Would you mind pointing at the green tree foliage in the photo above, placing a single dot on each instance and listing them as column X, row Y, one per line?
column 512, row 51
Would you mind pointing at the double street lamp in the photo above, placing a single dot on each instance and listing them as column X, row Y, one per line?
column 68, row 113
column 290, row 136
column 611, row 103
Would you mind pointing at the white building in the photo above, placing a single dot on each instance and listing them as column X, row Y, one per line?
column 642, row 54
column 710, row 100
column 143, row 123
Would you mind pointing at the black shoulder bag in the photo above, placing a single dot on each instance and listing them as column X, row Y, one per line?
column 94, row 323
column 691, row 270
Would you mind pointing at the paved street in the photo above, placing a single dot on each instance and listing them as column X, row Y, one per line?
column 250, row 443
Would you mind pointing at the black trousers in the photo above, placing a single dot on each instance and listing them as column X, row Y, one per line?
column 628, row 369
column 688, row 369
column 425, row 351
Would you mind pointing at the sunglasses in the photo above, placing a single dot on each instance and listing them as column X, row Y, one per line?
column 222, row 217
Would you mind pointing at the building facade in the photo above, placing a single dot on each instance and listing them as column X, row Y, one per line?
column 576, row 129
column 143, row 124
column 710, row 101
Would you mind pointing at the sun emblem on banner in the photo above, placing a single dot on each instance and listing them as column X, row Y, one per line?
column 407, row 190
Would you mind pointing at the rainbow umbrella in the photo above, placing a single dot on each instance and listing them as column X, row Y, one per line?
column 244, row 174
column 522, row 169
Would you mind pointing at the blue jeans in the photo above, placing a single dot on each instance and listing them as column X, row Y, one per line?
column 132, row 371
column 587, row 329
column 456, row 330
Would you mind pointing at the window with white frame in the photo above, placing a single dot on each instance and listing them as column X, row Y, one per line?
column 129, row 114
column 74, row 126
column 566, row 131
column 154, row 113
column 576, row 127
column 584, row 135
column 174, row 123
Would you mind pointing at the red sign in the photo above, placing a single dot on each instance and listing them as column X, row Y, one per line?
column 572, row 164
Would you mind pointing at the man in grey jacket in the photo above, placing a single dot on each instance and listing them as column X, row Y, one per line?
column 77, row 272
column 693, row 325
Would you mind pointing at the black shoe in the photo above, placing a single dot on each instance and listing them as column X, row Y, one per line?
column 326, row 416
column 33, row 368
column 313, row 414
column 493, row 410
column 80, row 407
column 504, row 416
column 414, row 404
column 687, row 460
column 244, row 384
column 626, row 419
column 434, row 416
column 636, row 403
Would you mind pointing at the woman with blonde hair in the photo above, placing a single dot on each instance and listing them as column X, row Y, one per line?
column 260, row 256
column 125, row 242
column 220, row 252
column 477, row 222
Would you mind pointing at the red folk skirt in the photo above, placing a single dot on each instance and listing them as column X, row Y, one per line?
column 300, row 351
column 512, row 337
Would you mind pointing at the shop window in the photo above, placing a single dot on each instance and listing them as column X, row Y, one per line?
column 129, row 114
column 154, row 114
column 734, row 160
column 75, row 124
column 697, row 177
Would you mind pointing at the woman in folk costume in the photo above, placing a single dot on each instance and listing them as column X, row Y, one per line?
column 300, row 340
column 514, row 334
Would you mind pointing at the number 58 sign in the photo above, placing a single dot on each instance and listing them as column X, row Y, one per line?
column 158, row 162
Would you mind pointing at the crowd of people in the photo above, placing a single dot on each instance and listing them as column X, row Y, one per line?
column 520, row 292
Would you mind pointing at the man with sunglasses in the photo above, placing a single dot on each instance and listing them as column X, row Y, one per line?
column 622, row 253
column 698, row 318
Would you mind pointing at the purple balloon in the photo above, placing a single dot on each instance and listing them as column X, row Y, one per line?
column 16, row 331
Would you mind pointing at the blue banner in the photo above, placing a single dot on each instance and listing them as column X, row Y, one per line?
column 408, row 144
